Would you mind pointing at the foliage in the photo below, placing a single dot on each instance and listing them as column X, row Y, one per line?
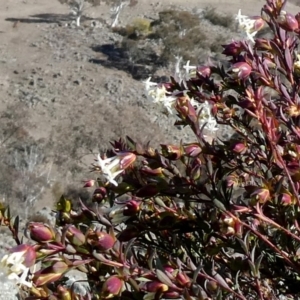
column 138, row 28
column 174, row 34
column 218, row 19
column 200, row 220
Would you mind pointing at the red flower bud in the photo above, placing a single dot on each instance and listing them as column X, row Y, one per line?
column 288, row 21
column 99, row 195
column 183, row 279
column 89, row 183
column 100, row 240
column 126, row 159
column 172, row 295
column 205, row 71
column 263, row 44
column 131, row 208
column 192, row 150
column 239, row 148
column 286, row 199
column 241, row 70
column 233, row 49
column 112, row 287
column 261, row 194
column 75, row 236
column 40, row 232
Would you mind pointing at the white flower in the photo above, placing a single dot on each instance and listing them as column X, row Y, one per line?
column 13, row 266
column 205, row 117
column 113, row 166
column 159, row 94
column 188, row 69
column 247, row 24
column 149, row 84
column 107, row 168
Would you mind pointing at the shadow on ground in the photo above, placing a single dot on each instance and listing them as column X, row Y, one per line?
column 140, row 65
column 47, row 18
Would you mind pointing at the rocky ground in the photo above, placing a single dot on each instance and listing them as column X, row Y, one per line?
column 67, row 91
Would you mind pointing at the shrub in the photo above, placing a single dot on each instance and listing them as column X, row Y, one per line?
column 175, row 34
column 208, row 219
column 216, row 18
column 140, row 27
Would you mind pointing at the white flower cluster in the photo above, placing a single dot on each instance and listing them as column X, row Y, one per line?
column 248, row 25
column 205, row 116
column 190, row 71
column 158, row 94
column 109, row 168
column 14, row 269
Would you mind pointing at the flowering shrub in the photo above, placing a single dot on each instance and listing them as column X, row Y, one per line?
column 201, row 220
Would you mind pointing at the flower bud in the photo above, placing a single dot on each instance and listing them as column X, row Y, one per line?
column 112, row 287
column 126, row 159
column 89, row 183
column 263, row 44
column 183, row 279
column 233, row 49
column 40, row 232
column 131, row 208
column 192, row 150
column 172, row 295
column 286, row 199
column 205, row 71
column 51, row 273
column 113, row 166
column 241, row 70
column 100, row 240
column 288, row 21
column 171, row 152
column 75, row 236
column 169, row 269
column 99, row 195
column 239, row 148
column 261, row 194
column 154, row 287
column 258, row 24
